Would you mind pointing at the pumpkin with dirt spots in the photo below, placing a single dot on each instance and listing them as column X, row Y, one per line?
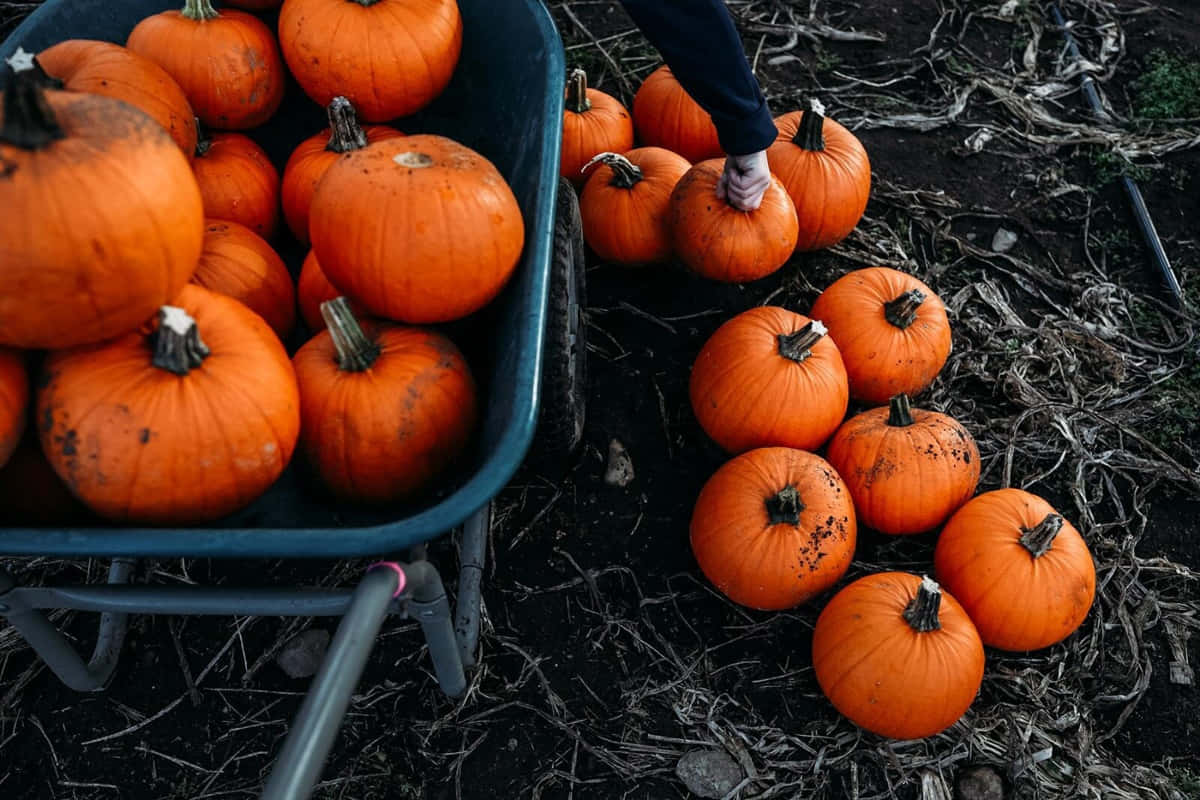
column 14, row 400
column 238, row 181
column 182, row 422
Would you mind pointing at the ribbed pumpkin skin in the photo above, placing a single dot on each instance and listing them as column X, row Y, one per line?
column 229, row 66
column 14, row 401
column 385, row 433
column 829, row 187
column 237, row 262
column 605, row 127
column 1018, row 602
column 745, row 394
column 723, row 243
column 99, row 228
column 306, row 166
column 886, row 677
column 666, row 116
column 773, row 566
column 419, row 244
column 94, row 67
column 140, row 444
column 389, row 59
column 312, row 289
column 239, row 183
column 631, row 226
column 905, row 480
column 883, row 360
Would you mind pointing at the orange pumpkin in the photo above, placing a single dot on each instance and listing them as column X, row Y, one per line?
column 419, row 229
column 626, row 202
column 238, row 263
column 313, row 289
column 227, row 62
column 102, row 220
column 390, row 58
column 238, row 181
column 14, row 401
column 665, row 115
column 85, row 65
column 908, row 469
column 179, row 423
column 826, row 172
column 367, row 445
column 308, row 162
column 773, row 528
column 891, row 329
column 723, row 243
column 593, row 122
column 1021, row 571
column 897, row 656
column 768, row 377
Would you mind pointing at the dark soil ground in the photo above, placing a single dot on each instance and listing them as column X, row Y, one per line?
column 606, row 655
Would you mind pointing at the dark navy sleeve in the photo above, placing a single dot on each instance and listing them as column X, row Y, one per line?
column 699, row 42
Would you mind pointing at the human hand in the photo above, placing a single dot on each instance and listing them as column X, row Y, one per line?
column 745, row 180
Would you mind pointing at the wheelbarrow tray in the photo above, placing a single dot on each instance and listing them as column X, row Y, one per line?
column 505, row 101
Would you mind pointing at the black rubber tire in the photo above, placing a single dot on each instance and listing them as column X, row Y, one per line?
column 564, row 367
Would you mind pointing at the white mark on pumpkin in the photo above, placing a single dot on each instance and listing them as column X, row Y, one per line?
column 20, row 61
column 413, row 160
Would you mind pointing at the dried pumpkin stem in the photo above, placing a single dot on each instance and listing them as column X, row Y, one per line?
column 922, row 613
column 577, row 99
column 810, row 135
column 345, row 132
column 1038, row 539
column 355, row 351
column 784, row 508
column 29, row 122
column 625, row 174
column 178, row 347
column 900, row 411
column 798, row 346
column 902, row 311
column 199, row 10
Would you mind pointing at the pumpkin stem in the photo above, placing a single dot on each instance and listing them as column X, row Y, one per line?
column 203, row 140
column 785, row 507
column 922, row 612
column 1037, row 540
column 902, row 311
column 797, row 346
column 811, row 133
column 356, row 352
column 29, row 122
column 177, row 344
column 199, row 10
column 900, row 411
column 577, row 99
column 625, row 174
column 345, row 134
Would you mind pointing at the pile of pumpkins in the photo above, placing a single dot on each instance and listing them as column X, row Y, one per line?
column 899, row 654
column 138, row 280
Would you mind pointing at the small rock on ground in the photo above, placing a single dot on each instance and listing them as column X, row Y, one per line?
column 708, row 773
column 619, row 471
column 301, row 657
column 979, row 783
column 1003, row 240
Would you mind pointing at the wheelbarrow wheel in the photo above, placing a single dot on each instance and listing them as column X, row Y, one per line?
column 564, row 370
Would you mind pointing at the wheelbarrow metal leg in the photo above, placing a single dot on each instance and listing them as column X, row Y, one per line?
column 431, row 609
column 472, row 553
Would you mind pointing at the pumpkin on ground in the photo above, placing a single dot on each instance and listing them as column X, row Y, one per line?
column 390, row 58
column 625, row 205
column 14, row 400
column 238, row 181
column 102, row 219
column 1021, row 571
column 238, row 263
column 826, row 172
column 723, row 243
column 593, row 122
column 227, row 62
column 419, row 229
column 908, row 469
column 773, row 527
column 94, row 67
column 308, row 162
column 891, row 329
column 767, row 377
column 897, row 655
column 182, row 422
column 665, row 115
column 386, row 408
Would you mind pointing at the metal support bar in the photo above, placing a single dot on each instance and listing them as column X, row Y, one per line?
column 431, row 609
column 185, row 600
column 472, row 551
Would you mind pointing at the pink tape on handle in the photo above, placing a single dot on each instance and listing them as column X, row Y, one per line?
column 401, row 578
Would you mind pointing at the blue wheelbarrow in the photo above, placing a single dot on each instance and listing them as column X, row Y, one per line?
column 528, row 354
